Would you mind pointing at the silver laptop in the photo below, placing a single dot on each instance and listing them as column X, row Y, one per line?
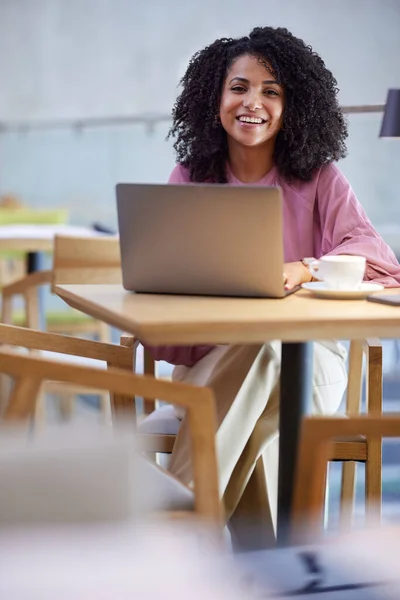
column 201, row 239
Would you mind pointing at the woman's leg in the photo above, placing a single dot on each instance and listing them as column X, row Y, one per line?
column 245, row 381
column 258, row 465
column 241, row 378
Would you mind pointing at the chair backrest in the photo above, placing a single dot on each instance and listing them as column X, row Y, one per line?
column 30, row 372
column 316, row 436
column 371, row 350
column 91, row 260
column 94, row 260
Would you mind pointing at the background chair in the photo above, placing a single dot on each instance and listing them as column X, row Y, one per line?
column 52, row 344
column 319, row 435
column 78, row 260
column 75, row 260
column 358, row 449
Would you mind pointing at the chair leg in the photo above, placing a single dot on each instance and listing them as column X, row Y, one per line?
column 373, row 482
column 6, row 318
column 5, row 390
column 105, row 407
column 39, row 416
column 373, row 466
column 4, row 274
column 124, row 404
column 32, row 308
column 67, row 402
column 347, row 494
column 354, row 384
column 6, row 310
column 326, row 500
column 104, row 332
column 149, row 368
column 309, row 493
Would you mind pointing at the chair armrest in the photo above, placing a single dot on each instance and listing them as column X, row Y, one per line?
column 54, row 342
column 128, row 340
column 27, row 286
column 23, row 285
column 371, row 345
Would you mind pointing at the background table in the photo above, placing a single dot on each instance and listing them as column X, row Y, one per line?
column 34, row 240
column 38, row 238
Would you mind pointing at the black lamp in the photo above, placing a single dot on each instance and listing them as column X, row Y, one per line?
column 391, row 118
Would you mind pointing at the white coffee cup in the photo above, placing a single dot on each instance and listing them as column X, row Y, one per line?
column 342, row 272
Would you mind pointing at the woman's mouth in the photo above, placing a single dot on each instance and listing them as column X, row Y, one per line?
column 251, row 121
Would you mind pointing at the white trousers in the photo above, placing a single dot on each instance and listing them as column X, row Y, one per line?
column 245, row 382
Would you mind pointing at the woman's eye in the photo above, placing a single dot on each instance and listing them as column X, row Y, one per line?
column 271, row 93
column 238, row 88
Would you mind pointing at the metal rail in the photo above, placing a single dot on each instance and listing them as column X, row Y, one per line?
column 150, row 120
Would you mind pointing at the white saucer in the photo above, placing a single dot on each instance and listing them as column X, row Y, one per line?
column 320, row 290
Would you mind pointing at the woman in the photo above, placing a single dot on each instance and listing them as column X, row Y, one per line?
column 263, row 110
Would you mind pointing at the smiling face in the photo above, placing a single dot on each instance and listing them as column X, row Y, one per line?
column 252, row 103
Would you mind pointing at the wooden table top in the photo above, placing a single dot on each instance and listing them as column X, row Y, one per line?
column 161, row 319
column 36, row 238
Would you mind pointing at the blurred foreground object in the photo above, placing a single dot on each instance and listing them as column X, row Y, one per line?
column 68, row 475
column 156, row 561
column 360, row 565
column 172, row 561
column 80, row 517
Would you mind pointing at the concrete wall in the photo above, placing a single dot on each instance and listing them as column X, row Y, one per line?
column 76, row 59
column 82, row 58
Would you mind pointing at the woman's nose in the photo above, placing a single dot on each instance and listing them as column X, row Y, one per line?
column 252, row 102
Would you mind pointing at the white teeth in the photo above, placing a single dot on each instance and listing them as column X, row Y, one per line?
column 250, row 120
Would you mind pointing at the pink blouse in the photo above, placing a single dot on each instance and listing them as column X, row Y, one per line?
column 320, row 217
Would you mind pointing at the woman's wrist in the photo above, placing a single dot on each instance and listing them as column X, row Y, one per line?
column 306, row 264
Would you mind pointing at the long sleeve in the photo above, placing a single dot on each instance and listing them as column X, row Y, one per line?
column 346, row 229
column 179, row 355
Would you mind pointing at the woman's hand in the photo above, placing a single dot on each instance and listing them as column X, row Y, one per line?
column 294, row 274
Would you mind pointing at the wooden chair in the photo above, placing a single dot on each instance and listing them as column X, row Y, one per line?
column 358, row 449
column 76, row 260
column 52, row 344
column 30, row 372
column 85, row 260
column 318, row 438
column 96, row 261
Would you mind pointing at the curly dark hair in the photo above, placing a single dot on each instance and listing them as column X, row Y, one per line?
column 314, row 129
